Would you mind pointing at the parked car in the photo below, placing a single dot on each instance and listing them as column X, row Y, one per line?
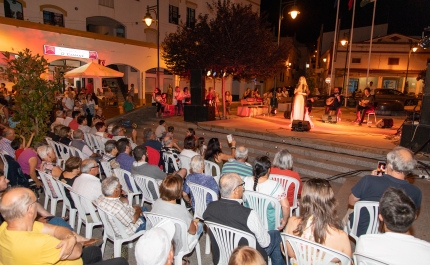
column 385, row 94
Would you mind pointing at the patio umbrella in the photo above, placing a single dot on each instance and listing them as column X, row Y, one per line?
column 93, row 70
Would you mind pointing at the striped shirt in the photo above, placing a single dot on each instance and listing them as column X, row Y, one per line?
column 243, row 169
column 5, row 146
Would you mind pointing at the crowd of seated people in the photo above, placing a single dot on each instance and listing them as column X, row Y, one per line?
column 317, row 220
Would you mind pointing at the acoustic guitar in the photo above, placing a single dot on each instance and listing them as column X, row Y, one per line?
column 329, row 101
column 363, row 102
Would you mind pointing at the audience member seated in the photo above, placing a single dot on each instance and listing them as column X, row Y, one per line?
column 59, row 119
column 101, row 131
column 65, row 135
column 113, row 203
column 245, row 255
column 72, row 169
column 201, row 146
column 229, row 211
column 141, row 167
column 118, row 133
column 29, row 162
column 155, row 246
column 111, row 150
column 318, row 220
column 160, row 131
column 283, row 165
column 170, row 191
column 26, row 241
column 189, row 146
column 99, row 115
column 198, row 177
column 150, row 141
column 238, row 165
column 214, row 152
column 397, row 212
column 169, row 148
column 48, row 165
column 261, row 183
column 19, row 145
column 82, row 121
column 68, row 118
column 124, row 157
column 79, row 143
column 55, row 135
column 8, row 136
column 400, row 162
column 74, row 123
column 88, row 183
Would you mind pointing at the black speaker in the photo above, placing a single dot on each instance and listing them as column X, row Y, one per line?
column 287, row 114
column 425, row 106
column 199, row 113
column 416, row 137
column 197, row 87
column 300, row 126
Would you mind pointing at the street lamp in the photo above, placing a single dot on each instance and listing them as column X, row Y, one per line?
column 147, row 19
column 411, row 49
column 344, row 42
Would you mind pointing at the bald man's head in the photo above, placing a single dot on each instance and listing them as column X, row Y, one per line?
column 228, row 183
column 15, row 203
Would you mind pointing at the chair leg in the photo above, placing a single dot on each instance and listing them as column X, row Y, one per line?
column 208, row 245
column 104, row 243
column 78, row 229
column 178, row 259
column 72, row 218
column 88, row 231
column 63, row 212
column 374, row 115
column 45, row 205
column 199, row 255
column 117, row 249
column 53, row 206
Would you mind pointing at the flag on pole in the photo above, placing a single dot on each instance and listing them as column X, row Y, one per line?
column 365, row 2
column 350, row 3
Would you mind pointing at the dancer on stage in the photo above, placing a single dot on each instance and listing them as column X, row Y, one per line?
column 299, row 110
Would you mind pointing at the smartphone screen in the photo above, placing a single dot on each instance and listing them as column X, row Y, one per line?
column 229, row 138
column 382, row 165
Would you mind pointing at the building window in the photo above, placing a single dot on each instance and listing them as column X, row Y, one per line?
column 356, row 60
column 54, row 19
column 393, row 61
column 106, row 3
column 191, row 17
column 173, row 14
column 13, row 9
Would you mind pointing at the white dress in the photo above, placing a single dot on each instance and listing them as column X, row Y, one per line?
column 299, row 110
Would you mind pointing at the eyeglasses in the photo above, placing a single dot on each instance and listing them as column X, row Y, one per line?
column 243, row 185
column 96, row 166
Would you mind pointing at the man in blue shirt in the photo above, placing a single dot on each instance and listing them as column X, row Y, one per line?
column 124, row 158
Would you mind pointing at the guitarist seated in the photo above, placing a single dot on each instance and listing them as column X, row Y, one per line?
column 334, row 102
column 364, row 105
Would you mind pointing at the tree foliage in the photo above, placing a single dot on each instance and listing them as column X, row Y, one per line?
column 236, row 40
column 34, row 98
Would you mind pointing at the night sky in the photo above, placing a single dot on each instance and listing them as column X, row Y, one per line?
column 408, row 17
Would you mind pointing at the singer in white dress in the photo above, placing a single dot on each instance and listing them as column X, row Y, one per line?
column 299, row 109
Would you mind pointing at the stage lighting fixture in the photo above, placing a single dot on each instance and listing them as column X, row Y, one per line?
column 424, row 42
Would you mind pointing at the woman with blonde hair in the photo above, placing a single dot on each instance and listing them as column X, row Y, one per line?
column 318, row 220
column 245, row 255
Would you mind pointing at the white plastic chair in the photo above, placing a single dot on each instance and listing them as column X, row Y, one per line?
column 90, row 220
column 48, row 193
column 168, row 156
column 106, row 168
column 109, row 232
column 89, row 141
column 199, row 193
column 286, row 183
column 185, row 162
column 78, row 152
column 66, row 203
column 311, row 253
column 5, row 164
column 209, row 166
column 260, row 202
column 67, row 151
column 99, row 143
column 142, row 182
column 227, row 239
column 360, row 259
column 373, row 209
column 52, row 144
column 186, row 247
column 60, row 151
column 120, row 174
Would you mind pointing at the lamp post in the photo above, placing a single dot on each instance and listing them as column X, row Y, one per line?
column 344, row 42
column 411, row 49
column 293, row 13
column 148, row 21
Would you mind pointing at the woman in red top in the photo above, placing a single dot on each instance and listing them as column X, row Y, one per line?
column 282, row 165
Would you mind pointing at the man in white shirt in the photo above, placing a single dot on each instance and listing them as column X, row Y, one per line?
column 397, row 211
column 88, row 184
column 68, row 102
column 68, row 118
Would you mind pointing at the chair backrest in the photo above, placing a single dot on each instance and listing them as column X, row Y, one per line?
column 153, row 156
column 107, row 169
column 62, row 187
column 88, row 140
column 78, row 152
column 311, row 253
column 260, row 203
column 286, row 182
column 54, row 184
column 100, row 143
column 67, row 151
column 199, row 194
column 84, row 204
column 360, row 259
column 227, row 239
column 106, row 219
column 142, row 182
column 60, row 151
column 185, row 162
column 373, row 209
column 5, row 164
column 120, row 174
column 210, row 167
column 155, row 218
column 45, row 183
column 168, row 156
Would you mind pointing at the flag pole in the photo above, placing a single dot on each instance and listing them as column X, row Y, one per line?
column 349, row 55
column 334, row 47
column 371, row 40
